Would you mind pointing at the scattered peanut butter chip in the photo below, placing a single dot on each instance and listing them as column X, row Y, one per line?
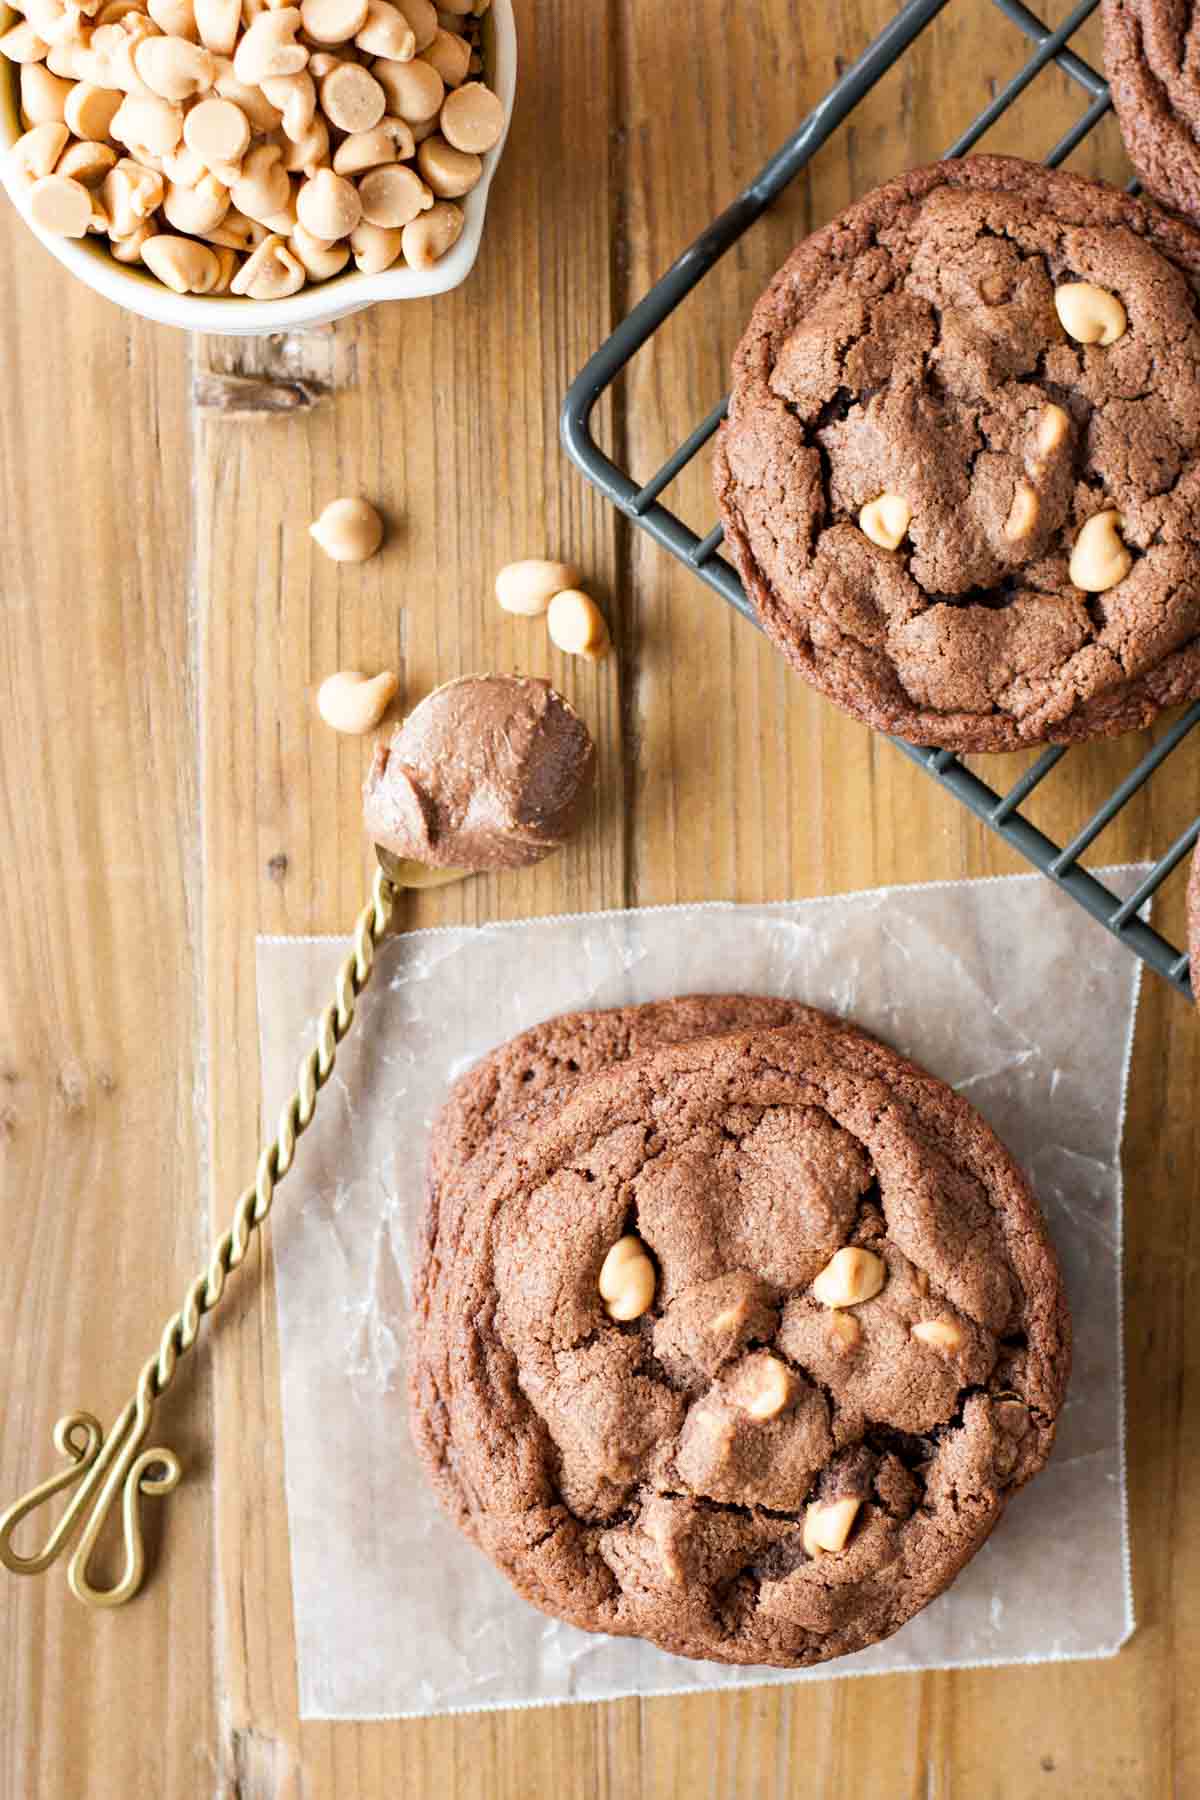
column 528, row 586
column 348, row 530
column 827, row 1525
column 354, row 703
column 577, row 625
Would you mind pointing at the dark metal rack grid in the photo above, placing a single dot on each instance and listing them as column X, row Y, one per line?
column 641, row 502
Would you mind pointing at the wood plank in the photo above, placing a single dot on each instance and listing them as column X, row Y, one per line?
column 445, row 414
column 629, row 136
column 102, row 1207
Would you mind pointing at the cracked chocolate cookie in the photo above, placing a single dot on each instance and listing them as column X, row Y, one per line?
column 1150, row 58
column 960, row 474
column 734, row 1342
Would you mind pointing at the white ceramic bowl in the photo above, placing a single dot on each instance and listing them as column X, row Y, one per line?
column 136, row 289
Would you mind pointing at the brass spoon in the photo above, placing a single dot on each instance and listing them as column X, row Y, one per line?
column 102, row 1467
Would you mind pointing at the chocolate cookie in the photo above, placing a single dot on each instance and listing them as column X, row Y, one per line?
column 960, row 474
column 738, row 1344
column 1150, row 51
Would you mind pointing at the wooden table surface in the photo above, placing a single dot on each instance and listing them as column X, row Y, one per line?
column 166, row 793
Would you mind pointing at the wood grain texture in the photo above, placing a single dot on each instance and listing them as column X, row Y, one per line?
column 102, row 1200
column 163, row 766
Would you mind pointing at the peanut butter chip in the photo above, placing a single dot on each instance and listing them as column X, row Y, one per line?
column 328, row 206
column 415, row 91
column 43, row 95
column 1089, row 314
column 1023, row 513
column 766, row 1388
column 448, row 173
column 850, row 1276
column 374, row 248
column 354, row 703
column 351, row 98
column 217, row 130
column 87, row 162
column 425, row 239
column 89, row 110
column 528, row 586
column 472, row 118
column 450, row 55
column 577, row 625
column 1099, row 559
column 392, row 196
column 187, row 267
column 844, row 1329
column 386, row 32
column 940, row 1334
column 1053, row 425
column 885, row 520
column 332, row 21
column 174, row 68
column 827, row 1525
column 61, row 205
column 627, row 1279
column 348, row 530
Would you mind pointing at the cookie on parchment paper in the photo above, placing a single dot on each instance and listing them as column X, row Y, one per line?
column 847, row 1343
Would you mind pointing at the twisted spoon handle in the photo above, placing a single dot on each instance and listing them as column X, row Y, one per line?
column 101, row 1468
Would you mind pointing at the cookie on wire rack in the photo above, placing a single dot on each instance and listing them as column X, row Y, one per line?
column 960, row 475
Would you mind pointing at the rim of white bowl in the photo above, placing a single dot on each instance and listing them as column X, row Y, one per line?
column 138, row 291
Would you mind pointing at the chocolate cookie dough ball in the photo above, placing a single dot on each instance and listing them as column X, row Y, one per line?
column 960, row 475
column 490, row 772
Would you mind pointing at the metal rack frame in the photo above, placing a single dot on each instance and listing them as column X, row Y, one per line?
column 641, row 502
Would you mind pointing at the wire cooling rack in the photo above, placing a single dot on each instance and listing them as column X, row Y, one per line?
column 641, row 501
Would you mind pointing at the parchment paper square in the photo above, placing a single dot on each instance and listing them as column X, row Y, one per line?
column 1004, row 988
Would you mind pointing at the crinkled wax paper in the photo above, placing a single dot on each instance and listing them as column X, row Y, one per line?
column 1002, row 987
